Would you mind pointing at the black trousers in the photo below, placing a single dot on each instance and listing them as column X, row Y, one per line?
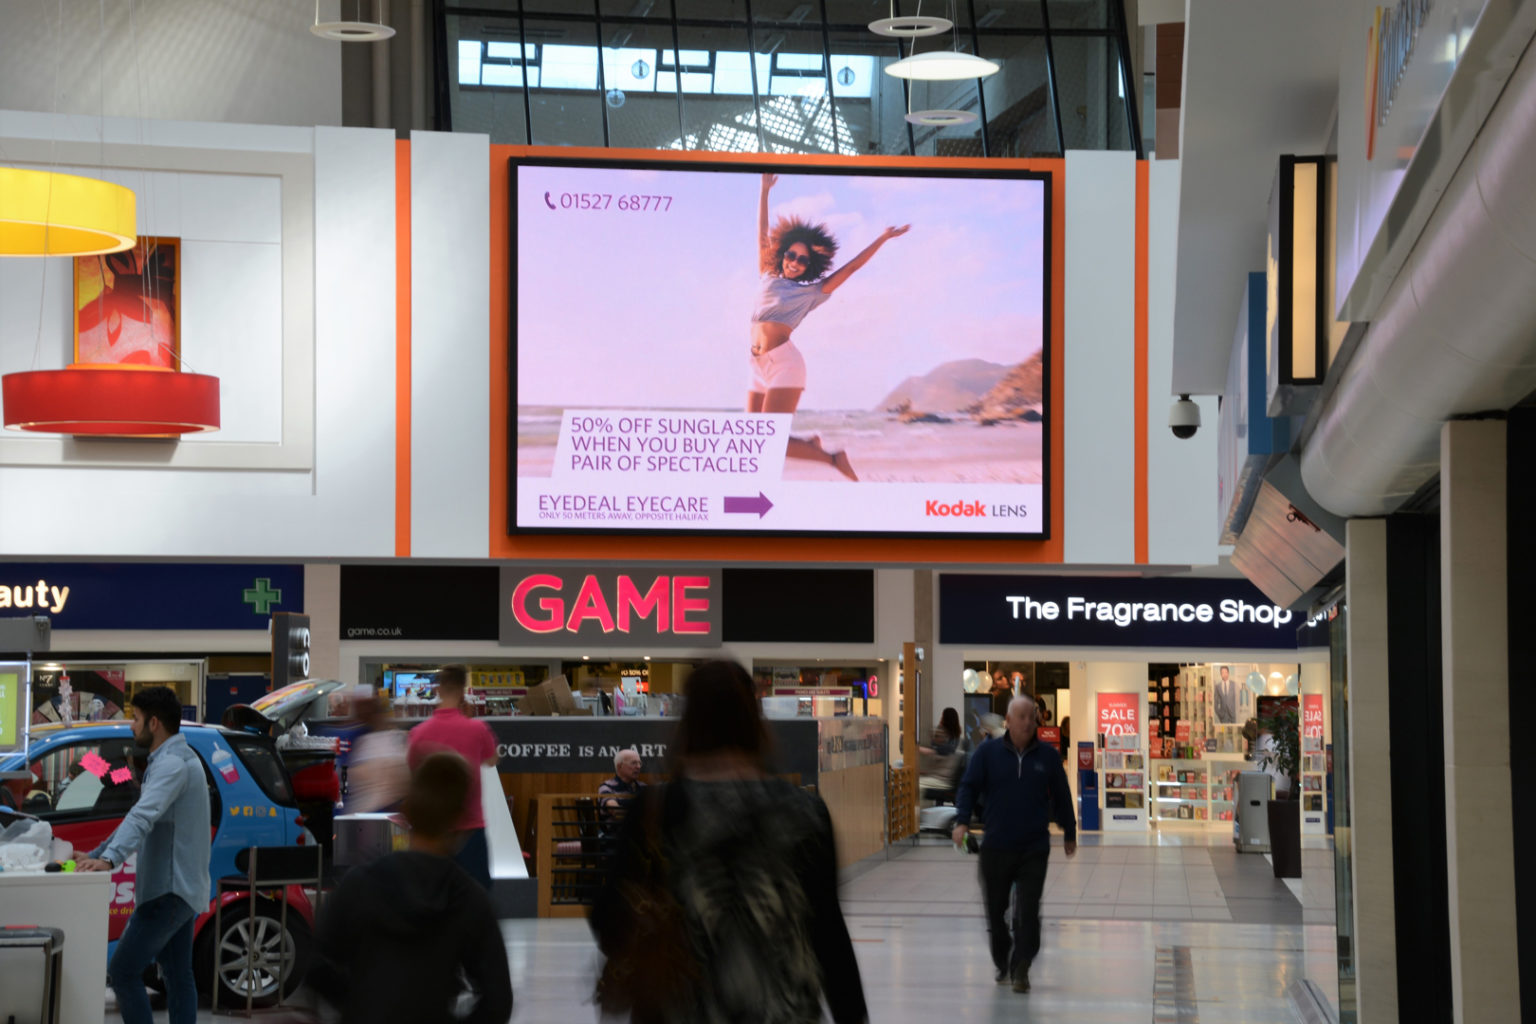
column 1001, row 872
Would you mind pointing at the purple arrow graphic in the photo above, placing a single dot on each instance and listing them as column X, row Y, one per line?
column 759, row 504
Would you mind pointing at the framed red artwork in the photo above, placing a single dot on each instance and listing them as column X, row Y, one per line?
column 128, row 306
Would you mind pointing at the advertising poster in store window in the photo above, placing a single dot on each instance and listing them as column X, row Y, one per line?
column 1120, row 716
column 12, row 692
column 1312, row 721
column 721, row 348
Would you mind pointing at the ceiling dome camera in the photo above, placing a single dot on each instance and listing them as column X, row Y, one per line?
column 1184, row 418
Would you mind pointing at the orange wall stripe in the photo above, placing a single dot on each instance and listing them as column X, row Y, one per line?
column 402, row 348
column 501, row 311
column 762, row 549
column 1143, row 200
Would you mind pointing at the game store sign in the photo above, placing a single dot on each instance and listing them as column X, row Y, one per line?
column 610, row 607
column 1103, row 612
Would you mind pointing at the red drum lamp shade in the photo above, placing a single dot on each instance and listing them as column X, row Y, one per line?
column 104, row 400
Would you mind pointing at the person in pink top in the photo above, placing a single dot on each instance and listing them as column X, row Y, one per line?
column 450, row 728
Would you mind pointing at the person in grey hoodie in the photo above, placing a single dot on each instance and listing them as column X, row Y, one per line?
column 403, row 934
column 169, row 826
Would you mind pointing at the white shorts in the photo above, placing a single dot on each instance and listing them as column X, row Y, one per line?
column 778, row 368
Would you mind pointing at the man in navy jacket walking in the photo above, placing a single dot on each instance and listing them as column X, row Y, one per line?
column 1024, row 789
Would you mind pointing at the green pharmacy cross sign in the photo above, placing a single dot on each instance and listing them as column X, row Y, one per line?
column 262, row 597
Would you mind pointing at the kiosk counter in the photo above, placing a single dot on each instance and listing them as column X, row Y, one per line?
column 843, row 758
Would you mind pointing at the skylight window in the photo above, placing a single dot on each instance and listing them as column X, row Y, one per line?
column 496, row 64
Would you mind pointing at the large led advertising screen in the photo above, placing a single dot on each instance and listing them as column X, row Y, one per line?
column 724, row 349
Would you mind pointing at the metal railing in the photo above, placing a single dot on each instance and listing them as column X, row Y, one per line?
column 573, row 843
column 901, row 805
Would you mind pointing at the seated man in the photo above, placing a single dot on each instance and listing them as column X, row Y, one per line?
column 614, row 793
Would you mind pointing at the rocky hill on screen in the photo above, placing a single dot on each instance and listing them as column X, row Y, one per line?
column 985, row 392
column 948, row 387
column 1018, row 396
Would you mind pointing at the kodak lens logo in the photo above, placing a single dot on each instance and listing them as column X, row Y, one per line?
column 962, row 509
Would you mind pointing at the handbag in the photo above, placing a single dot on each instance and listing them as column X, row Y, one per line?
column 651, row 967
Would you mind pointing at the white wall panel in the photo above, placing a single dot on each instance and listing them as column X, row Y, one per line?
column 232, row 328
column 231, row 208
column 1099, row 403
column 355, row 358
column 1370, row 772
column 450, row 328
column 126, row 131
column 159, row 199
column 344, row 507
column 236, row 192
column 35, row 300
column 894, row 609
column 322, row 603
column 1181, row 475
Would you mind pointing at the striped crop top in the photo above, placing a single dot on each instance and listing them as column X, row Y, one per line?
column 786, row 302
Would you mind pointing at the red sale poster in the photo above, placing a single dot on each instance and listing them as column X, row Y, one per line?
column 1181, row 731
column 1312, row 716
column 1119, row 714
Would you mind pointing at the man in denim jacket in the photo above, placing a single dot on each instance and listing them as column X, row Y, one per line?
column 169, row 827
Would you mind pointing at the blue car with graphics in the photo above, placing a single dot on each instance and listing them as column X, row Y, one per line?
column 83, row 779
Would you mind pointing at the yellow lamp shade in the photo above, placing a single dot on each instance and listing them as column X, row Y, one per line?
column 43, row 213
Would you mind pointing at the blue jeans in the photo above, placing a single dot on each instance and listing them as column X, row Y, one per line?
column 474, row 857
column 159, row 930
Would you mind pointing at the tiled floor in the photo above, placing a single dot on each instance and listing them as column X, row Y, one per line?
column 1139, row 929
column 1175, row 876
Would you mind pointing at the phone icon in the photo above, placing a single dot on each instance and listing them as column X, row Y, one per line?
column 550, row 202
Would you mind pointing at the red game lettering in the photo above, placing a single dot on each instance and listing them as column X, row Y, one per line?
column 552, row 606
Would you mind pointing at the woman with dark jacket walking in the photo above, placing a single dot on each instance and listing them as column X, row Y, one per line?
column 721, row 903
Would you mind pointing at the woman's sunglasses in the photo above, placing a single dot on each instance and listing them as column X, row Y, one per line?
column 794, row 257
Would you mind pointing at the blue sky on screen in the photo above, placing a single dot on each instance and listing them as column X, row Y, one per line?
column 652, row 309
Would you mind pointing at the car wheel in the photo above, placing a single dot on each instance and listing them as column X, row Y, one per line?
column 276, row 955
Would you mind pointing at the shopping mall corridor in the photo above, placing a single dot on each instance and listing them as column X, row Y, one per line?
column 1138, row 929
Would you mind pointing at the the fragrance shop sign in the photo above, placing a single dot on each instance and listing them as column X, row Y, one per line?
column 673, row 607
column 1104, row 612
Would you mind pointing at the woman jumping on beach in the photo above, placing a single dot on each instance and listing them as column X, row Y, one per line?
column 794, row 257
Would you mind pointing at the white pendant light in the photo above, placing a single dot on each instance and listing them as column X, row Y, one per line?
column 911, row 27
column 942, row 66
column 357, row 30
column 941, row 118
